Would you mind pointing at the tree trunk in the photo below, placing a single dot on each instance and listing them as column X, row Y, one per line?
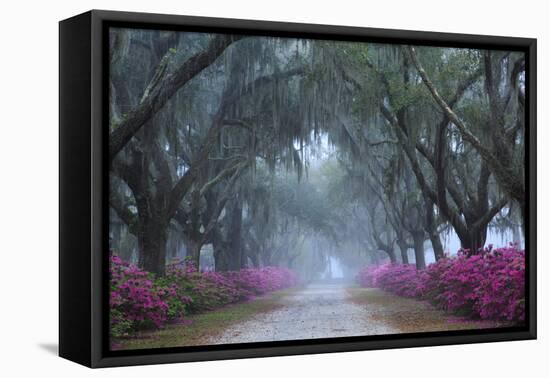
column 391, row 255
column 254, row 259
column 221, row 261
column 235, row 237
column 418, row 238
column 252, row 250
column 193, row 249
column 266, row 254
column 516, row 234
column 403, row 247
column 152, row 247
column 373, row 256
column 437, row 246
column 474, row 240
column 220, row 258
column 431, row 227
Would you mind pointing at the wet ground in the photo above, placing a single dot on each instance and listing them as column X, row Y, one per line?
column 316, row 311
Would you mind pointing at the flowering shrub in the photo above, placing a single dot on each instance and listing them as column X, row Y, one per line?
column 205, row 291
column 257, row 281
column 487, row 285
column 135, row 301
column 209, row 290
column 138, row 300
column 400, row 279
column 502, row 293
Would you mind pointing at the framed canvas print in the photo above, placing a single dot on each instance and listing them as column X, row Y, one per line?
column 233, row 188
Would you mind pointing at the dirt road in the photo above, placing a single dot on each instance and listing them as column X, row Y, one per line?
column 317, row 311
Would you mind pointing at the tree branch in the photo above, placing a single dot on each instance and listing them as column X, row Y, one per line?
column 123, row 212
column 220, row 176
column 163, row 92
column 491, row 213
column 223, row 200
column 158, row 76
column 450, row 114
column 232, row 95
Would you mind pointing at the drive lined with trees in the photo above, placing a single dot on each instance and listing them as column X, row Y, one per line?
column 298, row 184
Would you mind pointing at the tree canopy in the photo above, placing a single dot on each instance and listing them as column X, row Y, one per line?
column 280, row 150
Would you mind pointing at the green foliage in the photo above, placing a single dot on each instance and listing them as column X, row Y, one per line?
column 120, row 324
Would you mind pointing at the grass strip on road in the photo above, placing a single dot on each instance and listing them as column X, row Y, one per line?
column 411, row 315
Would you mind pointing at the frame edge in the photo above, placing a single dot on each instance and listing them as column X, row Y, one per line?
column 75, row 334
column 98, row 17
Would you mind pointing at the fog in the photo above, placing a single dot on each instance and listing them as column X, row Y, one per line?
column 319, row 156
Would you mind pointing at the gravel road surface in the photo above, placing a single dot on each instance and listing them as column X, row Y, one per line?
column 317, row 311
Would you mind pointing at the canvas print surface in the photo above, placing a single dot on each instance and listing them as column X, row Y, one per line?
column 270, row 189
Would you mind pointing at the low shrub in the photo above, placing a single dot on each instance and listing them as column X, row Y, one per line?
column 138, row 300
column 205, row 291
column 502, row 293
column 486, row 285
column 400, row 279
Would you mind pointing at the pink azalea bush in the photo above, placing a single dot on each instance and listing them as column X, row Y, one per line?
column 400, row 279
column 258, row 281
column 138, row 300
column 209, row 290
column 486, row 285
column 502, row 293
column 206, row 291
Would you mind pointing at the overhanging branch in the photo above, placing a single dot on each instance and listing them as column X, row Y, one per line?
column 161, row 93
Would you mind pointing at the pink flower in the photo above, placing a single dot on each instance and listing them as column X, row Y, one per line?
column 487, row 285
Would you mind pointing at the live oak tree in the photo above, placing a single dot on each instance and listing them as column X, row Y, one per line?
column 157, row 189
column 472, row 208
column 504, row 125
column 283, row 151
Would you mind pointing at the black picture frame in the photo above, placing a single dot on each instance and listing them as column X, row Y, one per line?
column 83, row 227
